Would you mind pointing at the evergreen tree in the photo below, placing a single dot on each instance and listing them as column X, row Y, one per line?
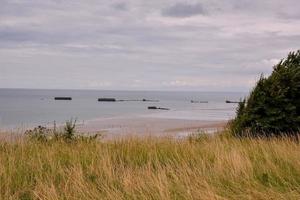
column 273, row 106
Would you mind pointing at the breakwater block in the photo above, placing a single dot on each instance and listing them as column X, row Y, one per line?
column 107, row 99
column 227, row 101
column 157, row 108
column 63, row 98
column 152, row 108
column 150, row 100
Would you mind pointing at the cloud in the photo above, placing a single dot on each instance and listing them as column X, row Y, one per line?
column 121, row 6
column 184, row 10
column 212, row 45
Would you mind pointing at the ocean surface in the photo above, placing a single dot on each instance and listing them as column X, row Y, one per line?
column 22, row 108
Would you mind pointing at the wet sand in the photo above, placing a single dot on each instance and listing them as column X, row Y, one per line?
column 145, row 126
column 112, row 128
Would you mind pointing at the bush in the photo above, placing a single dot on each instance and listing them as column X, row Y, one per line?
column 273, row 107
column 69, row 129
column 39, row 133
column 44, row 134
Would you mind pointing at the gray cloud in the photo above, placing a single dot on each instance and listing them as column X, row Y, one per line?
column 289, row 15
column 184, row 10
column 121, row 6
column 134, row 45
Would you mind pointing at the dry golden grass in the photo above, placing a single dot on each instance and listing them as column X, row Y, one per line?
column 151, row 168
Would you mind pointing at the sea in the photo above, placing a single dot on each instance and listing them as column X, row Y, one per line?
column 22, row 108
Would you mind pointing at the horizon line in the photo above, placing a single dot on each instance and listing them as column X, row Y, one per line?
column 120, row 90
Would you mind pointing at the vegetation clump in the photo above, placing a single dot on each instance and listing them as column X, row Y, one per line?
column 68, row 134
column 273, row 107
column 39, row 133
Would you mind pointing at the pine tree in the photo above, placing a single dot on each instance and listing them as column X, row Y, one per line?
column 273, row 106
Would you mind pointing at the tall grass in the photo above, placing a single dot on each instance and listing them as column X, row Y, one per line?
column 151, row 168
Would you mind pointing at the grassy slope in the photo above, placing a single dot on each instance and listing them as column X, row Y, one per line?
column 209, row 168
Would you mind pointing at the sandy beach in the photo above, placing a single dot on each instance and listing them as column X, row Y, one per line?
column 141, row 126
column 118, row 127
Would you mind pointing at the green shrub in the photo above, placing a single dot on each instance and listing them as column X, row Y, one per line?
column 273, row 106
column 69, row 129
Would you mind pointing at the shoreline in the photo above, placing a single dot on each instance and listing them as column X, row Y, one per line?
column 149, row 126
column 137, row 125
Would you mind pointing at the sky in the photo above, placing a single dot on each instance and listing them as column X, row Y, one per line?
column 204, row 45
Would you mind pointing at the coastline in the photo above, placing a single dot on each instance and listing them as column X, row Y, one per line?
column 149, row 126
column 135, row 125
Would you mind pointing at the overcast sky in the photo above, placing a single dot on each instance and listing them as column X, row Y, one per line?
column 206, row 45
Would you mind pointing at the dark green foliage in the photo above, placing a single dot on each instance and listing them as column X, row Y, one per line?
column 273, row 107
column 69, row 129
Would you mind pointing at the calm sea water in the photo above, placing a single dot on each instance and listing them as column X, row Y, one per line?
column 24, row 107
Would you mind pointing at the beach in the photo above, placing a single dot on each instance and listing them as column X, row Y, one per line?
column 149, row 126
